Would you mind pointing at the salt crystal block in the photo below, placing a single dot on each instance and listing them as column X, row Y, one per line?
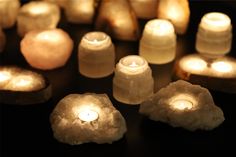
column 8, row 11
column 78, row 11
column 47, row 49
column 21, row 86
column 37, row 15
column 133, row 82
column 117, row 18
column 96, row 54
column 214, row 36
column 2, row 40
column 177, row 11
column 182, row 104
column 103, row 124
column 144, row 9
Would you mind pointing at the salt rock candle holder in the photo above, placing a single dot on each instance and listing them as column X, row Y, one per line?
column 96, row 55
column 83, row 118
column 133, row 82
column 116, row 18
column 78, row 11
column 46, row 49
column 20, row 86
column 158, row 42
column 144, row 9
column 8, row 12
column 213, row 73
column 177, row 11
column 37, row 15
column 2, row 40
column 182, row 104
column 214, row 36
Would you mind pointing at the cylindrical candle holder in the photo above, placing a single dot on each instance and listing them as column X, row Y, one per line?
column 96, row 55
column 133, row 82
column 47, row 49
column 37, row 15
column 8, row 12
column 158, row 42
column 78, row 11
column 214, row 34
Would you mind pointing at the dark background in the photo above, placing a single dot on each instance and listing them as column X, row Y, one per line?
column 26, row 131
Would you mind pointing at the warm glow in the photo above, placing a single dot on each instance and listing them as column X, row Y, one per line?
column 23, row 81
column 50, row 36
column 96, row 38
column 182, row 102
column 133, row 64
column 216, row 21
column 222, row 66
column 4, row 76
column 88, row 115
column 193, row 64
column 159, row 27
column 39, row 9
column 175, row 13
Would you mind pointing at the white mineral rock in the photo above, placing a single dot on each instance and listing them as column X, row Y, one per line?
column 69, row 128
column 202, row 114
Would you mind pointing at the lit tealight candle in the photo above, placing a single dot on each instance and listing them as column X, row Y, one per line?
column 88, row 115
column 177, row 11
column 221, row 66
column 47, row 49
column 214, row 34
column 8, row 11
column 78, row 11
column 182, row 102
column 158, row 43
column 96, row 55
column 133, row 81
column 37, row 15
column 193, row 63
column 4, row 76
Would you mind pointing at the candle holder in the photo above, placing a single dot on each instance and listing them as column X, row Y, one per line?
column 83, row 118
column 158, row 42
column 78, row 11
column 47, row 49
column 177, row 11
column 22, row 87
column 213, row 73
column 8, row 12
column 144, row 9
column 116, row 18
column 96, row 55
column 133, row 82
column 182, row 104
column 214, row 34
column 2, row 40
column 37, row 15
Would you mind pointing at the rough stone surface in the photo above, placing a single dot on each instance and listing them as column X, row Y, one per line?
column 203, row 115
column 68, row 128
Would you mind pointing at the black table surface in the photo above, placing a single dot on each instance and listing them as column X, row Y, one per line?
column 26, row 131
